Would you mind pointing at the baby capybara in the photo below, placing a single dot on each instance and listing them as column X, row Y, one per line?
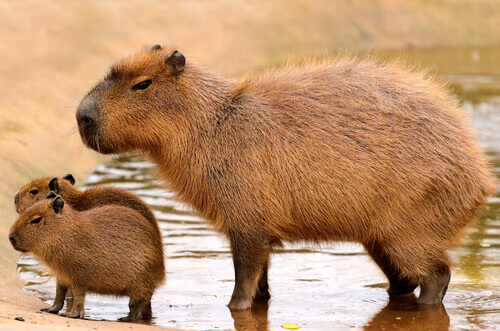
column 106, row 250
column 342, row 150
column 96, row 196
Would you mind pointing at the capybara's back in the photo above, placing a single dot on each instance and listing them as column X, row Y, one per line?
column 350, row 149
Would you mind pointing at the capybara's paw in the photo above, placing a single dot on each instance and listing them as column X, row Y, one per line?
column 73, row 314
column 235, row 304
column 128, row 319
column 50, row 310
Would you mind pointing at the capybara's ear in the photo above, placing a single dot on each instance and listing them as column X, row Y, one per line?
column 57, row 205
column 69, row 178
column 50, row 195
column 155, row 47
column 176, row 61
column 54, row 185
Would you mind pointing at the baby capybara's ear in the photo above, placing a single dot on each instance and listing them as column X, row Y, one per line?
column 176, row 61
column 50, row 195
column 54, row 185
column 155, row 47
column 58, row 205
column 69, row 178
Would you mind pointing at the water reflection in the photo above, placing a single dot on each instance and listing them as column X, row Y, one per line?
column 332, row 287
column 403, row 313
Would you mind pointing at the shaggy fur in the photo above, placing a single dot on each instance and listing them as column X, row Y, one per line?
column 107, row 250
column 342, row 150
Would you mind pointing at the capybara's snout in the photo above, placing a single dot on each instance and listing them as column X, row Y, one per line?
column 13, row 238
column 86, row 117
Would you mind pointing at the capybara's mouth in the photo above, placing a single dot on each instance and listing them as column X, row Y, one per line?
column 14, row 243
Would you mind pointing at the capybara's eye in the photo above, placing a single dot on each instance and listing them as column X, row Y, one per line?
column 36, row 220
column 142, row 85
column 34, row 192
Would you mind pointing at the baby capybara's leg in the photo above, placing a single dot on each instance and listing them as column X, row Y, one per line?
column 433, row 288
column 250, row 256
column 262, row 293
column 69, row 300
column 398, row 284
column 138, row 308
column 78, row 309
column 59, row 300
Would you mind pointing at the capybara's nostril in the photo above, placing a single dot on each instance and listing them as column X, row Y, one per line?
column 12, row 240
column 87, row 120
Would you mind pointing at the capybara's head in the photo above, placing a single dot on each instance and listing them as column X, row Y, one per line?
column 38, row 189
column 37, row 224
column 140, row 94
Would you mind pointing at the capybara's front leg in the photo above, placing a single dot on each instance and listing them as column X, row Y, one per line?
column 78, row 309
column 433, row 289
column 250, row 256
column 59, row 300
column 262, row 293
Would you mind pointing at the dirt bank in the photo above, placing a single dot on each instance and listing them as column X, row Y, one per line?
column 52, row 52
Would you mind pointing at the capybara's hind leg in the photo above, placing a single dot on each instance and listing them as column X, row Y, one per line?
column 433, row 289
column 398, row 284
column 69, row 300
column 59, row 300
column 138, row 308
column 250, row 255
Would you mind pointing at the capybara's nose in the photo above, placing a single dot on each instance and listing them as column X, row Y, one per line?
column 12, row 239
column 85, row 116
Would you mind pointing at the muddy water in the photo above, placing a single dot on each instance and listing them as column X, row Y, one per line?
column 332, row 287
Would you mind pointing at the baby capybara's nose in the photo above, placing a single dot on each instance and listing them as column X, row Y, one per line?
column 12, row 239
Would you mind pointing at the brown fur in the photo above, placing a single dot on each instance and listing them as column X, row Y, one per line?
column 107, row 250
column 348, row 149
column 95, row 196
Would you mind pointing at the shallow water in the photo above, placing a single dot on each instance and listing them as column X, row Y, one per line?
column 333, row 287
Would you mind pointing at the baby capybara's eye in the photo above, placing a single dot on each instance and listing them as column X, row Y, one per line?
column 142, row 85
column 34, row 192
column 36, row 220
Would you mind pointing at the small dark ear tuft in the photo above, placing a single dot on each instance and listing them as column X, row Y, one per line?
column 54, row 185
column 58, row 205
column 69, row 178
column 155, row 47
column 50, row 195
column 176, row 61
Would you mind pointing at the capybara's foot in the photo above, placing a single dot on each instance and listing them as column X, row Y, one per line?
column 139, row 309
column 239, row 304
column 52, row 310
column 75, row 313
column 433, row 290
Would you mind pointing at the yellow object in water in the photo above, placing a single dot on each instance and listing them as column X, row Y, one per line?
column 290, row 326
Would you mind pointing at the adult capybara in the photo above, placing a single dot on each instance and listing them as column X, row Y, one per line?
column 348, row 149
column 106, row 250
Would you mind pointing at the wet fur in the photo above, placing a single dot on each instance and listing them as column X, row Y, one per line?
column 341, row 150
